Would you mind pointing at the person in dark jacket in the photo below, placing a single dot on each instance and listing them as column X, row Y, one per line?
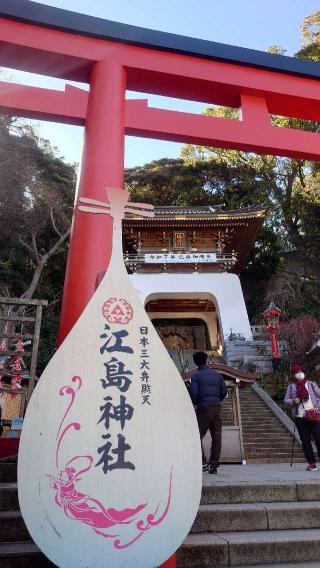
column 207, row 391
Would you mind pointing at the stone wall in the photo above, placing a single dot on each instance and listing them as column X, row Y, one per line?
column 249, row 355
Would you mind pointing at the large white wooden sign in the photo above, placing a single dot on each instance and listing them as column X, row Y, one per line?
column 183, row 258
column 109, row 470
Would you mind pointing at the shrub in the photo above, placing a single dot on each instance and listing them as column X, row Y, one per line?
column 298, row 335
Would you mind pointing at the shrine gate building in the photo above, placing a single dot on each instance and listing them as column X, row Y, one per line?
column 185, row 265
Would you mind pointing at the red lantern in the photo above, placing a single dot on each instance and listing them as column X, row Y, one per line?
column 271, row 318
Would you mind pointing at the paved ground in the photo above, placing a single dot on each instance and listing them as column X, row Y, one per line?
column 260, row 473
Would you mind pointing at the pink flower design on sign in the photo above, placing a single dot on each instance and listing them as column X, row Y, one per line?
column 83, row 508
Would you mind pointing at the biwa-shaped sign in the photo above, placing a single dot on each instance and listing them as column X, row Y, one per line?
column 109, row 469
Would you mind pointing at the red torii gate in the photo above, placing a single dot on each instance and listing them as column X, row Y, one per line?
column 113, row 57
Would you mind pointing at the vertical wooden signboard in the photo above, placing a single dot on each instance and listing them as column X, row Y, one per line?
column 110, row 464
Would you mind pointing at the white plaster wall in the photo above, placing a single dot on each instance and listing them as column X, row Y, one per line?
column 209, row 318
column 224, row 289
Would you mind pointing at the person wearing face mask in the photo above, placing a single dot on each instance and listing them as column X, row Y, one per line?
column 302, row 395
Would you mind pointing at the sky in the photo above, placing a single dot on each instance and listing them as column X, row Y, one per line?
column 247, row 23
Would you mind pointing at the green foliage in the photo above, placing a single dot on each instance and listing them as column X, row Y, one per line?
column 36, row 198
column 310, row 29
column 36, row 201
column 265, row 256
column 170, row 182
column 197, row 180
column 276, row 50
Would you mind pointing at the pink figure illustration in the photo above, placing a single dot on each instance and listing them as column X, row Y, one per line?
column 80, row 506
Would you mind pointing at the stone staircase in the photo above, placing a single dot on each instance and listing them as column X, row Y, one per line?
column 239, row 523
column 265, row 438
column 273, row 523
column 16, row 548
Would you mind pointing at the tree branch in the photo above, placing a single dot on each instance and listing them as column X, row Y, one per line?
column 43, row 259
column 28, row 247
column 55, row 247
column 53, row 222
column 35, row 248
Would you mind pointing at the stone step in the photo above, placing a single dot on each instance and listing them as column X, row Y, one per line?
column 13, row 527
column 252, row 403
column 257, row 516
column 253, row 406
column 264, row 428
column 197, row 553
column 274, row 458
column 249, row 548
column 255, row 409
column 285, row 456
column 272, row 425
column 268, row 448
column 260, row 429
column 269, row 436
column 8, row 497
column 271, row 458
column 266, row 460
column 266, row 443
column 22, row 555
column 8, row 472
column 265, row 492
column 272, row 451
column 255, row 432
column 273, row 422
column 220, row 492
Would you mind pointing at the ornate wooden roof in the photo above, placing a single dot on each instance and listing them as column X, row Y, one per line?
column 239, row 226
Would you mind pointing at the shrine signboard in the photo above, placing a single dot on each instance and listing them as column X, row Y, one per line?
column 173, row 258
column 100, row 480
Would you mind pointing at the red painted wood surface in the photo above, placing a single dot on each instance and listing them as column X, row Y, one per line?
column 9, row 447
column 171, row 563
column 102, row 165
column 253, row 133
column 56, row 53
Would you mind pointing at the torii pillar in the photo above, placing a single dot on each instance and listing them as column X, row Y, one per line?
column 102, row 165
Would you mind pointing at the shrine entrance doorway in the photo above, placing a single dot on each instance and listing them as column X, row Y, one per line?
column 185, row 325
